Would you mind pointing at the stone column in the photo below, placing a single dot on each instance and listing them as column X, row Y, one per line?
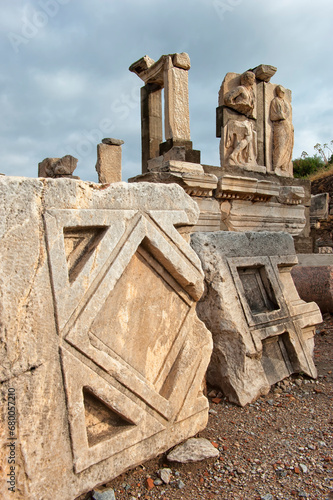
column 151, row 122
column 108, row 164
column 176, row 114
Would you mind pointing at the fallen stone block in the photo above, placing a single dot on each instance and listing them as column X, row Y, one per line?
column 262, row 330
column 313, row 278
column 102, row 355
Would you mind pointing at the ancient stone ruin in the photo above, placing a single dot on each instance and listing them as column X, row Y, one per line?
column 262, row 331
column 254, row 188
column 101, row 341
column 113, row 293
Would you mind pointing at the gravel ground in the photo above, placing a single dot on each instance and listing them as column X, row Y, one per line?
column 279, row 447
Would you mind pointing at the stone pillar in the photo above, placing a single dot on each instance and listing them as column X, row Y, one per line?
column 170, row 73
column 176, row 114
column 151, row 122
column 108, row 164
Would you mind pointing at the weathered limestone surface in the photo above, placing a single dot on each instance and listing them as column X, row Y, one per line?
column 170, row 73
column 199, row 185
column 58, row 167
column 319, row 209
column 262, row 330
column 108, row 164
column 252, row 201
column 99, row 335
column 313, row 278
column 193, row 450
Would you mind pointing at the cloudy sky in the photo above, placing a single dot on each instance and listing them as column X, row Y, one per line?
column 65, row 84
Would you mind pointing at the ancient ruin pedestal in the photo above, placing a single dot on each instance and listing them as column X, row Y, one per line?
column 262, row 330
column 102, row 354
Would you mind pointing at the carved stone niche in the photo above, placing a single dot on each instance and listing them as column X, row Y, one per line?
column 262, row 330
column 102, row 344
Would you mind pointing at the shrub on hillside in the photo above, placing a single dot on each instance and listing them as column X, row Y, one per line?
column 307, row 165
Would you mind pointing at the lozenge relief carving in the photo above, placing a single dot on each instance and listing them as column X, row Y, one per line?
column 106, row 290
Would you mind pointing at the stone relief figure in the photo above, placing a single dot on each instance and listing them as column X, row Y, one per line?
column 242, row 98
column 240, row 135
column 283, row 131
column 242, row 138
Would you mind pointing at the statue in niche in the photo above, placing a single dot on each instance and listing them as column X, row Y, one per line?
column 240, row 136
column 283, row 131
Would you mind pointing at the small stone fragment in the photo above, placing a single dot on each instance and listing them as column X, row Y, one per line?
column 303, row 468
column 180, row 484
column 302, row 494
column 112, row 142
column 165, row 475
column 158, row 482
column 267, row 497
column 216, row 400
column 104, row 495
column 193, row 450
column 212, row 393
column 150, row 483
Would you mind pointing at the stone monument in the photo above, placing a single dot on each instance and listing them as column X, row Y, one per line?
column 254, row 121
column 253, row 189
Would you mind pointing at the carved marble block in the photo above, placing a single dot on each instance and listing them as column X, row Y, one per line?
column 262, row 330
column 100, row 339
column 254, row 121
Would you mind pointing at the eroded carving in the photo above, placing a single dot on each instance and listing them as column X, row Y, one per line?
column 242, row 98
column 80, row 244
column 254, row 121
column 241, row 141
column 283, row 132
column 57, row 167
